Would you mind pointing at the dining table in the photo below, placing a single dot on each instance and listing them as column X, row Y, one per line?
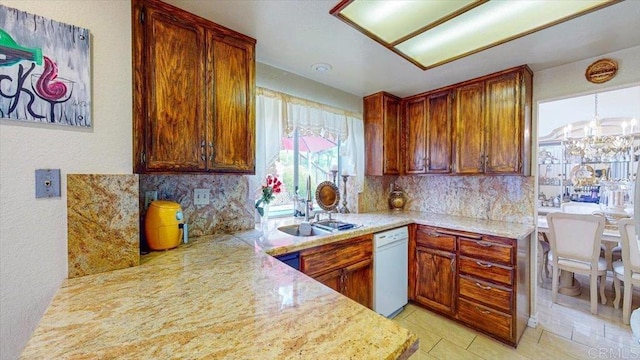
column 568, row 284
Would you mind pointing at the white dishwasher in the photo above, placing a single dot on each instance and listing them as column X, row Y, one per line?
column 390, row 271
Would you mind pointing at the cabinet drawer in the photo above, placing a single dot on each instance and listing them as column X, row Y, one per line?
column 481, row 317
column 318, row 262
column 488, row 294
column 485, row 249
column 431, row 238
column 486, row 270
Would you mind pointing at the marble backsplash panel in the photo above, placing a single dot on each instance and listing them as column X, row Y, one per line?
column 503, row 198
column 229, row 209
column 102, row 223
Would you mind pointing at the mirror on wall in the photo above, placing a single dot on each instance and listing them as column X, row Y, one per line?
column 584, row 142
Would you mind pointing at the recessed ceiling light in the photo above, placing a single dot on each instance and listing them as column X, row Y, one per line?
column 321, row 67
column 432, row 33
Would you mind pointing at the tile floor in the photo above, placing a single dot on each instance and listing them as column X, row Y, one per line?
column 566, row 330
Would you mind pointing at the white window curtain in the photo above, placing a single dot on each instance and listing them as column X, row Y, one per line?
column 279, row 114
column 269, row 132
column 352, row 150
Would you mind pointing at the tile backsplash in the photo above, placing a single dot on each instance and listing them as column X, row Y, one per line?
column 229, row 208
column 504, row 198
column 103, row 231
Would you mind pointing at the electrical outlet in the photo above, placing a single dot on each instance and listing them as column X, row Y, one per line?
column 150, row 196
column 201, row 196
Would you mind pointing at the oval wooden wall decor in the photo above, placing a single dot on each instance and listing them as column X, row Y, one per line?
column 601, row 71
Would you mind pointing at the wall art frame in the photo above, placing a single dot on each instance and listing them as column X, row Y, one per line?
column 44, row 70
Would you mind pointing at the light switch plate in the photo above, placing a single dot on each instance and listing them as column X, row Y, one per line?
column 201, row 196
column 47, row 183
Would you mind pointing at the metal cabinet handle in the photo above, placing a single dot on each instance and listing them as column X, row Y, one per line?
column 434, row 234
column 484, row 265
column 453, row 265
column 481, row 161
column 483, row 311
column 427, row 163
column 485, row 244
column 483, row 287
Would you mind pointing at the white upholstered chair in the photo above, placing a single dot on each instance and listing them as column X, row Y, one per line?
column 628, row 269
column 575, row 246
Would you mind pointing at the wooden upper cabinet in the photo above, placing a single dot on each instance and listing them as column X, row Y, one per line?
column 493, row 124
column 194, row 89
column 414, row 127
column 469, row 129
column 382, row 134
column 439, row 132
column 230, row 81
column 506, row 105
column 175, row 92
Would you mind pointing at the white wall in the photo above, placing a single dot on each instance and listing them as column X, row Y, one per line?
column 33, row 233
column 283, row 81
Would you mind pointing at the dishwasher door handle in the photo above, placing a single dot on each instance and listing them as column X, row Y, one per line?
column 392, row 244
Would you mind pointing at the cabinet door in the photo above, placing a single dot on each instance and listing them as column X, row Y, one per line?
column 174, row 127
column 439, row 132
column 469, row 129
column 332, row 279
column 382, row 134
column 358, row 282
column 231, row 107
column 391, row 156
column 504, row 123
column 415, row 135
column 435, row 279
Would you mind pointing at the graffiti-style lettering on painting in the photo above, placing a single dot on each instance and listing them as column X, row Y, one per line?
column 44, row 70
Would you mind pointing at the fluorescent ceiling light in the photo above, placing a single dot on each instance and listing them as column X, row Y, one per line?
column 433, row 32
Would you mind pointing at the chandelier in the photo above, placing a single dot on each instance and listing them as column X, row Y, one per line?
column 595, row 147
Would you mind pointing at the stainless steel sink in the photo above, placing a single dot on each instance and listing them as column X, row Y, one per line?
column 333, row 225
column 293, row 230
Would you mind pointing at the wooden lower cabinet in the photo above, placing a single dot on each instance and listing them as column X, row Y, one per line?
column 481, row 281
column 435, row 279
column 345, row 266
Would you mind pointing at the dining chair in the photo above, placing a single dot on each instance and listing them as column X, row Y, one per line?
column 628, row 269
column 575, row 246
column 543, row 258
column 589, row 208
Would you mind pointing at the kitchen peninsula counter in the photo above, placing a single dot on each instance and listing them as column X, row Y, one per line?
column 216, row 297
column 213, row 298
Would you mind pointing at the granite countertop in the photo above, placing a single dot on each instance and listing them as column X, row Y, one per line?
column 274, row 242
column 216, row 297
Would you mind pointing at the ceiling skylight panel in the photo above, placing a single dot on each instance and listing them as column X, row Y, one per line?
column 491, row 24
column 393, row 20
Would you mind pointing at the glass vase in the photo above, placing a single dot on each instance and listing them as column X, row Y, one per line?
column 264, row 219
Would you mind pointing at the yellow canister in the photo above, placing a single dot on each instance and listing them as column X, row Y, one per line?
column 162, row 225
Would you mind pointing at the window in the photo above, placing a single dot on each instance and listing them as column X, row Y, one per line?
column 297, row 138
column 301, row 156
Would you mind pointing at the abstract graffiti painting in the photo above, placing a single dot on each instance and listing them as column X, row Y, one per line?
column 44, row 70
